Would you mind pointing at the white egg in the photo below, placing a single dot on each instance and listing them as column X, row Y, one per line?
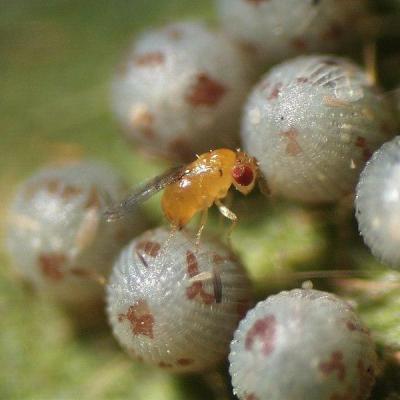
column 181, row 90
column 57, row 236
column 378, row 203
column 166, row 314
column 303, row 345
column 278, row 29
column 312, row 123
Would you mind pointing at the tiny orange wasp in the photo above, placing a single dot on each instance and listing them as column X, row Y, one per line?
column 196, row 187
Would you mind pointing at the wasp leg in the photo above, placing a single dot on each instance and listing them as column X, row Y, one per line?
column 227, row 213
column 203, row 221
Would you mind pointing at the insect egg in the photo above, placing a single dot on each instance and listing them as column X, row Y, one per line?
column 174, row 304
column 305, row 345
column 312, row 123
column 181, row 90
column 278, row 29
column 57, row 237
column 378, row 203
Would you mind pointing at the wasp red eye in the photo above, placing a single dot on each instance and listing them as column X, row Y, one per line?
column 243, row 175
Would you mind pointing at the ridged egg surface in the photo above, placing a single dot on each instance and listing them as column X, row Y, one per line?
column 181, row 90
column 57, row 236
column 161, row 316
column 278, row 29
column 378, row 203
column 312, row 122
column 303, row 345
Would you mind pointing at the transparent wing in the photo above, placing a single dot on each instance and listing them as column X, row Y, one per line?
column 144, row 192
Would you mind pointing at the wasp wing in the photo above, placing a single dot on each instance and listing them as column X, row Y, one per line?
column 144, row 192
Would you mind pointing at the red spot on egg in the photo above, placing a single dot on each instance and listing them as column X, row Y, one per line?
column 51, row 265
column 205, row 92
column 149, row 59
column 58, row 188
column 243, row 175
column 140, row 318
column 334, row 364
column 263, row 330
column 275, row 92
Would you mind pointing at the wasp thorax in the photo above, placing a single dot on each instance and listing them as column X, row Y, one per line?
column 175, row 304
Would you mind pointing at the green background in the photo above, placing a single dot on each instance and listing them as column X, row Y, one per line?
column 56, row 61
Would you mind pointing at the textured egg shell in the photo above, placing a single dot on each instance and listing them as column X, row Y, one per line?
column 312, row 122
column 278, row 29
column 57, row 235
column 378, row 203
column 162, row 318
column 181, row 90
column 303, row 345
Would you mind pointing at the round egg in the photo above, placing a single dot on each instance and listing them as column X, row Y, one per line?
column 378, row 203
column 305, row 345
column 175, row 304
column 312, row 123
column 57, row 236
column 181, row 90
column 278, row 29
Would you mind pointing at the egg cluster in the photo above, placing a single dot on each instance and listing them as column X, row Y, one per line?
column 306, row 129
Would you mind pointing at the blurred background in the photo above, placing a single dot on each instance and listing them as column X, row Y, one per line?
column 57, row 59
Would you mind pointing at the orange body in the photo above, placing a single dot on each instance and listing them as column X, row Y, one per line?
column 206, row 180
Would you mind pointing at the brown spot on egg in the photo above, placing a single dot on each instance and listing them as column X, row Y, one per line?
column 250, row 396
column 292, row 148
column 205, row 92
column 196, row 290
column 140, row 318
column 263, row 330
column 334, row 364
column 51, row 265
column 149, row 248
